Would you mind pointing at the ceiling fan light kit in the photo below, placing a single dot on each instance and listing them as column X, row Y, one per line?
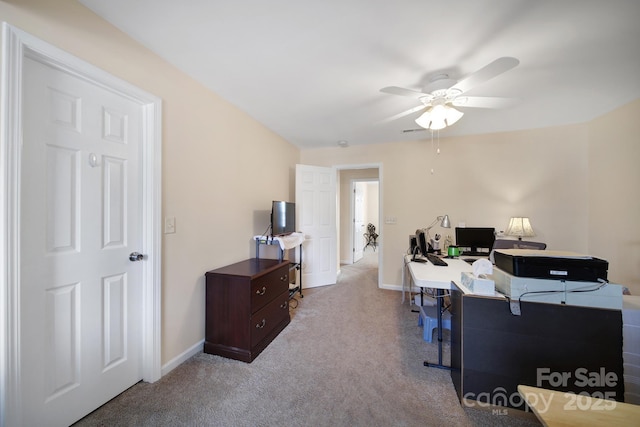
column 438, row 117
column 443, row 93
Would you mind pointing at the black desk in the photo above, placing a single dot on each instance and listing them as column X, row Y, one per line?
column 492, row 350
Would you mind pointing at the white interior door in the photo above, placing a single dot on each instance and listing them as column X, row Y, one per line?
column 316, row 218
column 358, row 220
column 81, row 296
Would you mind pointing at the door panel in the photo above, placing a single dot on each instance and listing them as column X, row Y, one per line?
column 63, row 340
column 115, row 320
column 63, row 190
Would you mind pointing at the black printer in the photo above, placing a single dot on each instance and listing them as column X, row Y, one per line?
column 544, row 264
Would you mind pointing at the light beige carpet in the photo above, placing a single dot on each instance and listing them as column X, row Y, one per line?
column 352, row 356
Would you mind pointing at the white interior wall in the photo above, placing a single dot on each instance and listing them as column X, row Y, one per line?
column 614, row 198
column 483, row 180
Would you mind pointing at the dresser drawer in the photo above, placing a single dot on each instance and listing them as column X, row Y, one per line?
column 273, row 315
column 265, row 288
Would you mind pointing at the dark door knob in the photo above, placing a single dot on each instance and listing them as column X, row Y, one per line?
column 135, row 256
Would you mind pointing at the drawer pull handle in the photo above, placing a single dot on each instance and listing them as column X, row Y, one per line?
column 284, row 278
column 261, row 324
column 261, row 291
column 284, row 304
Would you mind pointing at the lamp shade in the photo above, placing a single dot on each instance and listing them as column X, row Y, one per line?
column 520, row 227
column 444, row 222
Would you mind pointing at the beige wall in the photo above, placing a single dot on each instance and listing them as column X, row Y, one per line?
column 614, row 193
column 578, row 184
column 214, row 180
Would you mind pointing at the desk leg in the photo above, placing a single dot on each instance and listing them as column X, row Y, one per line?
column 440, row 294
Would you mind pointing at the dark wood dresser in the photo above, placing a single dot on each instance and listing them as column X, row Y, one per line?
column 247, row 306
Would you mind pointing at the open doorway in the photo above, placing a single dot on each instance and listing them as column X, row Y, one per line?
column 366, row 223
column 356, row 211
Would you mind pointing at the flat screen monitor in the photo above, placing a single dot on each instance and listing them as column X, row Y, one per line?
column 421, row 243
column 283, row 218
column 475, row 240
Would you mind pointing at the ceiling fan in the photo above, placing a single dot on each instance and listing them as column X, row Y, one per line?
column 442, row 94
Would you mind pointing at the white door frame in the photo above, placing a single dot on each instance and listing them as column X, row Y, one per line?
column 352, row 222
column 17, row 45
column 380, row 203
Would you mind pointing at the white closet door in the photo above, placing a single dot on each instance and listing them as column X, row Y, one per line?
column 81, row 296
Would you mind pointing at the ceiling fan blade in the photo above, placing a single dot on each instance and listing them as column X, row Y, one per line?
column 488, row 72
column 403, row 114
column 395, row 90
column 483, row 102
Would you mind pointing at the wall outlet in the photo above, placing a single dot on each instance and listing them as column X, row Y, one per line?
column 170, row 225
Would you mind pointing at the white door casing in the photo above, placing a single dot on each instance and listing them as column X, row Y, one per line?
column 358, row 219
column 20, row 267
column 316, row 218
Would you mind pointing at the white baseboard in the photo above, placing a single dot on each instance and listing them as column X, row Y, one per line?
column 391, row 287
column 181, row 358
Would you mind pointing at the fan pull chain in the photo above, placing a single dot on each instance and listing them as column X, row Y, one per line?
column 432, row 150
column 437, row 147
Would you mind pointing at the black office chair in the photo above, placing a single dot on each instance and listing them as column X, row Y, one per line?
column 514, row 244
column 370, row 237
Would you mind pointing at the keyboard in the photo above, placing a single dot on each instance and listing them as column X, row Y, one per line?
column 436, row 260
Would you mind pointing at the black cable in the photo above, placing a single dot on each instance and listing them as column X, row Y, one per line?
column 267, row 231
column 562, row 291
column 603, row 283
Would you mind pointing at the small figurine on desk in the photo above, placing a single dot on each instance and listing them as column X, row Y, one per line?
column 435, row 244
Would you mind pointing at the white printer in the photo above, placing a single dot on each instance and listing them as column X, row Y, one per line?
column 554, row 291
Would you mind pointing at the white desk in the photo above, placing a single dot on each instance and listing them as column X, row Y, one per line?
column 427, row 275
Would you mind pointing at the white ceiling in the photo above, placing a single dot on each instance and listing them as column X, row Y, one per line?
column 312, row 71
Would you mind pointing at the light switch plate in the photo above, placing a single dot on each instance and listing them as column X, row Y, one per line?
column 170, row 225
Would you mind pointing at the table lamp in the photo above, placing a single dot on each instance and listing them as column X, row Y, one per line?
column 444, row 223
column 520, row 227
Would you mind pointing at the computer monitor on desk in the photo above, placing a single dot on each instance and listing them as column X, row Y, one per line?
column 475, row 241
column 422, row 246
